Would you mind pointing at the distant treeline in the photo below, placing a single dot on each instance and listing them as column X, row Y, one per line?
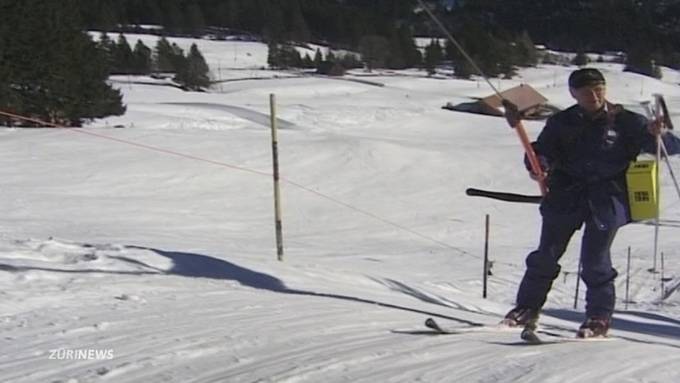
column 190, row 71
column 652, row 26
column 51, row 68
column 340, row 22
column 645, row 30
column 382, row 31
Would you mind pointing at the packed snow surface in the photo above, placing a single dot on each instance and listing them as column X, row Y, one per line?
column 142, row 248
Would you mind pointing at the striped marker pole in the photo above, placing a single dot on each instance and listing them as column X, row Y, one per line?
column 277, row 192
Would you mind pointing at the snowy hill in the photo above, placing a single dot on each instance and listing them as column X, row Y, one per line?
column 147, row 254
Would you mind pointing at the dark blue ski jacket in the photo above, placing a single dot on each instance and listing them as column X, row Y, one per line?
column 587, row 158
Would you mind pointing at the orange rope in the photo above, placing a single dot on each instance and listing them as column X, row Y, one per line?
column 222, row 164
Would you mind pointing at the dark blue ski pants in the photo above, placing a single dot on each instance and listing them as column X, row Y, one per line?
column 597, row 273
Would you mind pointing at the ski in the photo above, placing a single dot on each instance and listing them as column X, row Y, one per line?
column 530, row 335
column 438, row 328
column 508, row 197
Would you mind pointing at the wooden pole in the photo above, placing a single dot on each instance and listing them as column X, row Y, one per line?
column 277, row 193
column 486, row 255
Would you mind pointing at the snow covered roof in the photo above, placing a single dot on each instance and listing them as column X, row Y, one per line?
column 524, row 96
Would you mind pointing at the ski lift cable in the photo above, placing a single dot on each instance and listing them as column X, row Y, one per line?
column 243, row 169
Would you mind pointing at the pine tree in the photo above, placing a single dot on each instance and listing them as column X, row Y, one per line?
column 291, row 57
column 177, row 58
column 56, row 72
column 351, row 61
column 122, row 57
column 411, row 54
column 273, row 55
column 164, row 56
column 526, row 50
column 433, row 56
column 581, row 59
column 318, row 58
column 7, row 96
column 107, row 47
column 395, row 57
column 330, row 56
column 193, row 72
column 640, row 60
column 461, row 67
column 141, row 59
column 307, row 62
column 506, row 59
column 374, row 51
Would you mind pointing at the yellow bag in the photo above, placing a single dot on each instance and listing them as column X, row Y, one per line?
column 643, row 190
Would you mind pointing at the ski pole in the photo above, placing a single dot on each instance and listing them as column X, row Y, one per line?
column 663, row 287
column 628, row 279
column 659, row 143
column 578, row 282
column 486, row 256
column 670, row 168
column 669, row 124
column 656, row 219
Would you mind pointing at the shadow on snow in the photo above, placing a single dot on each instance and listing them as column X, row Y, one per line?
column 203, row 266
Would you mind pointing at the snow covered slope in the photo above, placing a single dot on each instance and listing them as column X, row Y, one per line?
column 146, row 254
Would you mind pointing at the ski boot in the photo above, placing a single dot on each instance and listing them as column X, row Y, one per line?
column 521, row 317
column 594, row 327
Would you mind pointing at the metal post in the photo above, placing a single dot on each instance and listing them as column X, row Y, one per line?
column 658, row 202
column 219, row 70
column 578, row 283
column 486, row 255
column 277, row 193
column 664, row 152
column 663, row 288
column 628, row 279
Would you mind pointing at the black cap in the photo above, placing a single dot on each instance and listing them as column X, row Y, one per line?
column 585, row 77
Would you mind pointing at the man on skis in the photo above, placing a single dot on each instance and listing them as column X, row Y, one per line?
column 585, row 152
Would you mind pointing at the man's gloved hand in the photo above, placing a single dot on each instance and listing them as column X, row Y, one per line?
column 512, row 113
column 536, row 177
column 545, row 167
column 657, row 127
